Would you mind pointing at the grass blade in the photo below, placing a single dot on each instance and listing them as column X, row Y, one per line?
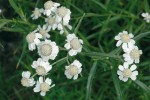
column 79, row 23
column 142, row 35
column 90, row 79
column 100, row 55
column 17, row 10
column 143, row 86
column 117, row 85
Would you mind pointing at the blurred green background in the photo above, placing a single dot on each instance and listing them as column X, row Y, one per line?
column 103, row 20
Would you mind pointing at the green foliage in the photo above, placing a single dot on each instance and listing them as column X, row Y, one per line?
column 96, row 22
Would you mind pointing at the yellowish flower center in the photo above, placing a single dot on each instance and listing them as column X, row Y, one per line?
column 30, row 37
column 127, row 73
column 25, row 82
column 51, row 21
column 40, row 70
column 36, row 12
column 73, row 70
column 44, row 87
column 46, row 49
column 48, row 5
column 62, row 11
column 125, row 38
column 75, row 44
column 135, row 54
column 42, row 32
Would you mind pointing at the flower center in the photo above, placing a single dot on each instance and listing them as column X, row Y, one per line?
column 46, row 49
column 51, row 21
column 127, row 73
column 73, row 70
column 125, row 38
column 40, row 70
column 30, row 37
column 44, row 87
column 75, row 44
column 25, row 82
column 42, row 32
column 62, row 11
column 36, row 12
column 135, row 54
column 48, row 5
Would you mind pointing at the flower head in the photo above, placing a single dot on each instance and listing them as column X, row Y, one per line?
column 33, row 39
column 125, row 72
column 125, row 39
column 43, row 86
column 50, row 7
column 26, row 80
column 48, row 50
column 44, row 31
column 37, row 13
column 146, row 17
column 132, row 54
column 63, row 15
column 41, row 67
column 74, row 45
column 73, row 70
column 51, row 22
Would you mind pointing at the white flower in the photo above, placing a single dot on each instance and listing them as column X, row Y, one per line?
column 146, row 17
column 73, row 70
column 125, row 72
column 43, row 31
column 41, row 67
column 36, row 13
column 74, row 45
column 33, row 40
column 26, row 80
column 48, row 50
column 51, row 22
column 50, row 7
column 43, row 86
column 125, row 39
column 63, row 15
column 132, row 54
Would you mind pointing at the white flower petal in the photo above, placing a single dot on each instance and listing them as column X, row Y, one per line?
column 48, row 81
column 41, row 79
column 125, row 79
column 133, row 67
column 26, row 74
column 119, row 72
column 75, row 77
column 43, row 93
column 121, row 67
column 119, row 43
column 72, row 52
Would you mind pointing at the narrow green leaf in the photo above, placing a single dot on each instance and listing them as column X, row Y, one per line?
column 22, row 54
column 100, row 4
column 79, row 23
column 3, row 23
column 17, row 10
column 143, row 86
column 90, row 80
column 117, row 85
column 142, row 35
column 100, row 55
column 78, row 9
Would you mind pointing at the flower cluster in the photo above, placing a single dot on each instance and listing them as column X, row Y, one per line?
column 131, row 56
column 56, row 18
